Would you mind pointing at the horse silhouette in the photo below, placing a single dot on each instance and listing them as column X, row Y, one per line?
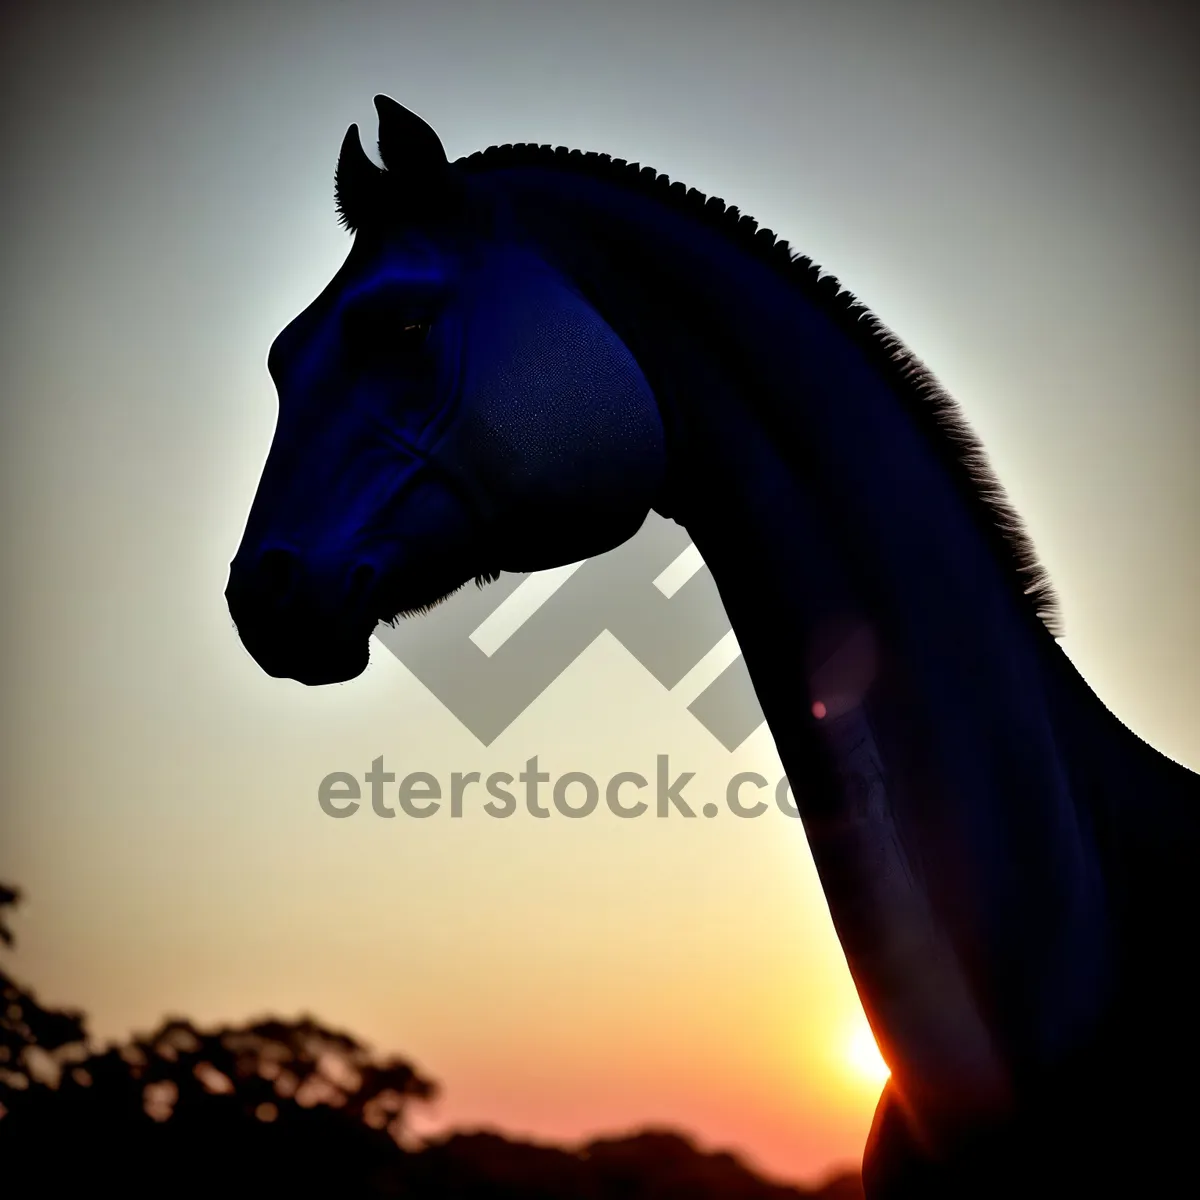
column 530, row 348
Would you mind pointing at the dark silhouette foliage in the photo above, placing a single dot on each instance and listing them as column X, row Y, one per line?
column 289, row 1108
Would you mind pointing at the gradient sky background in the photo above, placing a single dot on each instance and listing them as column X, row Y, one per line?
column 1010, row 187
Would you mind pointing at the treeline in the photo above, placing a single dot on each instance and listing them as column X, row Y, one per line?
column 290, row 1108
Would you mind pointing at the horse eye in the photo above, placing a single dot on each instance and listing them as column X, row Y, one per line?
column 375, row 339
column 413, row 336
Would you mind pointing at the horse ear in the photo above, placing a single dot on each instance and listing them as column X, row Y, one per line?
column 407, row 145
column 356, row 182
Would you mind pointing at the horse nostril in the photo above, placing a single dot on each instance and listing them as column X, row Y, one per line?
column 276, row 574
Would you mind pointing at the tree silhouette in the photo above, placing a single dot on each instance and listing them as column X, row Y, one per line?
column 277, row 1107
column 267, row 1104
column 33, row 1039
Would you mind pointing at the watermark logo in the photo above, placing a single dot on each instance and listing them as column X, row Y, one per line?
column 573, row 795
column 667, row 624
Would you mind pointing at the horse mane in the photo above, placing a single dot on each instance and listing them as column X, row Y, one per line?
column 936, row 412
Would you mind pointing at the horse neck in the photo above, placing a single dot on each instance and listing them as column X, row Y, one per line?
column 940, row 790
column 935, row 788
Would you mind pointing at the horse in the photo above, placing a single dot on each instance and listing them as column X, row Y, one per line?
column 528, row 350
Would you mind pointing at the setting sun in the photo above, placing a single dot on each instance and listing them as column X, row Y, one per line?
column 864, row 1058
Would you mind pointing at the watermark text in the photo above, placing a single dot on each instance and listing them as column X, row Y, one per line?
column 574, row 794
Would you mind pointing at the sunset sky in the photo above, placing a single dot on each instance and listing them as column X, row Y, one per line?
column 1010, row 187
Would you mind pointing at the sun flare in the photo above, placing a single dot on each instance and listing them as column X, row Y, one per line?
column 864, row 1058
